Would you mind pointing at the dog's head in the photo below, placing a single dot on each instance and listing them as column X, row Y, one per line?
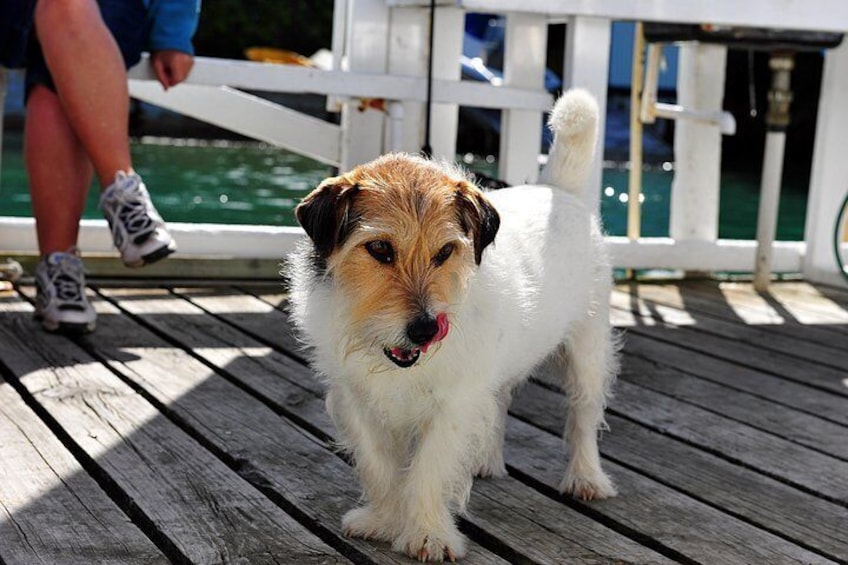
column 399, row 238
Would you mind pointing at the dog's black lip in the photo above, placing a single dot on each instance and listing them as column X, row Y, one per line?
column 401, row 363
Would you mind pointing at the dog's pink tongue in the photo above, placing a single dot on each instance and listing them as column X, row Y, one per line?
column 443, row 329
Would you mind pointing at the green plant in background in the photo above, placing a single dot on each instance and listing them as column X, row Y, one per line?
column 227, row 27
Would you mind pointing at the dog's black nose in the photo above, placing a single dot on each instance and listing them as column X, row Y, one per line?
column 422, row 329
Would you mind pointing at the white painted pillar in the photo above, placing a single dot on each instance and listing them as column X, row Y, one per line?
column 337, row 47
column 524, row 67
column 587, row 55
column 770, row 182
column 409, row 43
column 697, row 146
column 366, row 47
column 408, row 57
column 447, row 50
column 829, row 178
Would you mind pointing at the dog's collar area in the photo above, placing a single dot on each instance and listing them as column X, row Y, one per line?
column 403, row 358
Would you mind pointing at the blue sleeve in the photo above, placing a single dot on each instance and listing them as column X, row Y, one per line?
column 172, row 24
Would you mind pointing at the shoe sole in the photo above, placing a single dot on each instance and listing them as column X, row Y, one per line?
column 68, row 328
column 153, row 257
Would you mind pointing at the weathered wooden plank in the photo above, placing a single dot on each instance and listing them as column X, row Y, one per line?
column 551, row 532
column 707, row 299
column 667, row 355
column 51, row 510
column 275, row 297
column 818, row 308
column 748, row 355
column 835, row 294
column 807, row 303
column 828, row 301
column 799, row 427
column 268, row 450
column 564, row 535
column 711, row 314
column 679, row 513
column 819, row 473
column 243, row 309
column 700, row 532
column 770, row 504
column 755, row 343
column 187, row 497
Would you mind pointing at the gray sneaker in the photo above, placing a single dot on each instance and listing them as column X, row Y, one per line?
column 137, row 228
column 60, row 301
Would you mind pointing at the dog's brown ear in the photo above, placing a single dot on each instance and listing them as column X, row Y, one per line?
column 326, row 214
column 478, row 217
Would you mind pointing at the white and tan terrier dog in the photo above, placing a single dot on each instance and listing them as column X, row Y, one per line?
column 422, row 328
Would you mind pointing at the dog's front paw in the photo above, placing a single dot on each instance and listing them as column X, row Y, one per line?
column 367, row 523
column 587, row 486
column 432, row 545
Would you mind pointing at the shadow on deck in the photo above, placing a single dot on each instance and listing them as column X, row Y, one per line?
column 188, row 429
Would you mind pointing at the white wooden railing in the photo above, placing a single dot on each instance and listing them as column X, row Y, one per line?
column 380, row 48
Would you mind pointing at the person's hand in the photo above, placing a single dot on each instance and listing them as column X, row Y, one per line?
column 171, row 67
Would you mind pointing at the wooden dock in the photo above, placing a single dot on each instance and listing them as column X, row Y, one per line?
column 189, row 430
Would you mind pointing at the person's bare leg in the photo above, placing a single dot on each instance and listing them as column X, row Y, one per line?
column 89, row 74
column 59, row 171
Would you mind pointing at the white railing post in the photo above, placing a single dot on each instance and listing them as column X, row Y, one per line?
column 587, row 55
column 408, row 57
column 697, row 146
column 337, row 48
column 525, row 45
column 447, row 50
column 409, row 44
column 366, row 49
column 829, row 178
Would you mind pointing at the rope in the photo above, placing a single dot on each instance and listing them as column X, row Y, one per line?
column 427, row 149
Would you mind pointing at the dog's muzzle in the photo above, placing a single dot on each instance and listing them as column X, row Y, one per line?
column 423, row 331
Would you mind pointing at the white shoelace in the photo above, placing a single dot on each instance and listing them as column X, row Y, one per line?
column 131, row 205
column 66, row 277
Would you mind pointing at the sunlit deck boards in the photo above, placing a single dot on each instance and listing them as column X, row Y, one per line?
column 187, row 429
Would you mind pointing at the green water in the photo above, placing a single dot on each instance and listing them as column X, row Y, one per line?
column 255, row 184
column 738, row 202
column 190, row 181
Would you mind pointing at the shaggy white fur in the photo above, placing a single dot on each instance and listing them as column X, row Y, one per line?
column 419, row 434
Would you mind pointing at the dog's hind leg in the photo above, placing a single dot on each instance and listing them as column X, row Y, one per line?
column 589, row 361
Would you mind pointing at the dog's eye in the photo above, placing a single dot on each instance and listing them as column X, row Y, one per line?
column 443, row 254
column 381, row 250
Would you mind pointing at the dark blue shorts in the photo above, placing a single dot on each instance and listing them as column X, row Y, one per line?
column 19, row 48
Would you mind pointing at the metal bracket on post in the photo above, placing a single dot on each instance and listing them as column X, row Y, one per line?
column 651, row 109
column 777, row 120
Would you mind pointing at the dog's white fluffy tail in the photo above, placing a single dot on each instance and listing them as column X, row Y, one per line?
column 574, row 123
